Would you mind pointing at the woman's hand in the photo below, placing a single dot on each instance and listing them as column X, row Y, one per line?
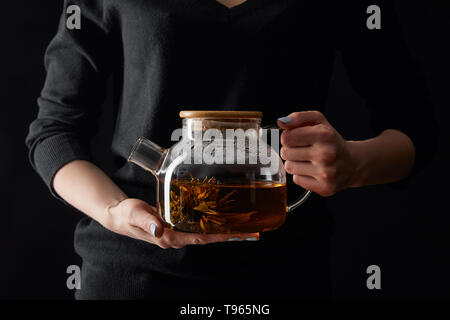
column 316, row 155
column 137, row 219
column 86, row 187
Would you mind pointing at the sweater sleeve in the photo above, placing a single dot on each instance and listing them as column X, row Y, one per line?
column 77, row 67
column 383, row 72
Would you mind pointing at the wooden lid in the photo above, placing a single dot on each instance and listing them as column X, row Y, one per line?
column 187, row 114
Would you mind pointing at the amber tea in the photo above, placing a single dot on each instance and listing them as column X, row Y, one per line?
column 210, row 207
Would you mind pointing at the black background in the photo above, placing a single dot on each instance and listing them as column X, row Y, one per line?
column 405, row 232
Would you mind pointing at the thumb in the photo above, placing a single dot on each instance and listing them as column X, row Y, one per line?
column 301, row 119
column 148, row 221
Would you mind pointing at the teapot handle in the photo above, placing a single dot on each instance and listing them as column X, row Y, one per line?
column 299, row 201
column 305, row 194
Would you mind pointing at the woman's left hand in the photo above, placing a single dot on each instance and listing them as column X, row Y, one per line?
column 316, row 155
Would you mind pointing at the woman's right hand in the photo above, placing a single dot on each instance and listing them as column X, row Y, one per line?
column 139, row 220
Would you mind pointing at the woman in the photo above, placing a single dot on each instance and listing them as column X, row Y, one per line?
column 270, row 55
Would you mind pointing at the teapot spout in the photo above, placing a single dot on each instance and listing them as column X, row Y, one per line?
column 147, row 155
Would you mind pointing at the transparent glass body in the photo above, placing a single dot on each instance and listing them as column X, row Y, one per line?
column 220, row 177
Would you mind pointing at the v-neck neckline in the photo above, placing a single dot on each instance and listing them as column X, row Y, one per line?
column 231, row 8
column 239, row 8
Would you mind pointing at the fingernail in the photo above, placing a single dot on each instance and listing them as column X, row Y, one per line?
column 234, row 239
column 153, row 229
column 285, row 119
column 252, row 239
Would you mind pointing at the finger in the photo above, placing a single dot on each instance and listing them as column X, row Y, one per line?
column 178, row 239
column 305, row 136
column 148, row 220
column 212, row 238
column 307, row 182
column 296, row 153
column 301, row 168
column 301, row 119
column 138, row 233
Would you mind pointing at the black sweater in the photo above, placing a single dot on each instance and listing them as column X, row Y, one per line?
column 166, row 55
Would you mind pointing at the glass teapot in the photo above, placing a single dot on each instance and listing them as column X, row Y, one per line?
column 221, row 176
